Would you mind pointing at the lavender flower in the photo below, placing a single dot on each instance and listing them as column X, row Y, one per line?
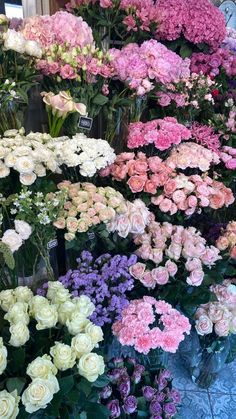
column 170, row 409
column 148, row 393
column 106, row 392
column 124, row 387
column 155, row 408
column 105, row 280
column 114, row 408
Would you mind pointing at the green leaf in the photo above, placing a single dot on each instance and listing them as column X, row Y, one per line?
column 185, row 51
column 100, row 99
column 15, row 383
column 101, row 381
column 95, row 410
column 66, row 384
column 142, row 414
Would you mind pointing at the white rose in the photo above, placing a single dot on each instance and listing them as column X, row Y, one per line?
column 23, row 229
column 85, row 305
column 46, row 316
column 63, row 356
column 23, row 294
column 18, row 313
column 28, row 179
column 95, row 332
column 53, row 287
column 10, row 160
column 12, row 239
column 40, row 170
column 4, row 170
column 77, row 323
column 41, row 367
column 82, row 344
column 15, row 41
column 24, row 165
column 9, row 404
column 91, row 366
column 60, row 296
column 3, row 357
column 7, row 299
column 33, row 48
column 204, row 325
column 36, row 303
column 39, row 394
column 65, row 311
column 19, row 334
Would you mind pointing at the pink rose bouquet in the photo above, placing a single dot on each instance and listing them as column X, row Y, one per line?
column 227, row 239
column 213, row 64
column 163, row 133
column 172, row 248
column 148, row 324
column 191, row 193
column 218, row 316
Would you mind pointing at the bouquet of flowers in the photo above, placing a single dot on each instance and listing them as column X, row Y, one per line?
column 169, row 245
column 133, row 388
column 105, row 280
column 148, row 324
column 227, row 239
column 40, row 367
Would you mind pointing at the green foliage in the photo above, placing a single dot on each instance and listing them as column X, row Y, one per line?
column 7, row 255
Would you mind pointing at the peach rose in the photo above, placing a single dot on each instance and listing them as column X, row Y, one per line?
column 170, row 187
column 72, row 224
column 222, row 243
column 60, row 223
column 136, row 183
column 217, row 200
column 150, row 187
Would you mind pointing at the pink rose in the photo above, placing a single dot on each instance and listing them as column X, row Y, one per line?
column 193, row 264
column 171, row 267
column 136, row 183
column 148, row 281
column 123, row 226
column 140, row 167
column 150, row 187
column 222, row 327
column 165, row 205
column 192, row 201
column 222, row 243
column 215, row 312
column 137, row 223
column 170, row 187
column 160, row 275
column 154, row 163
column 137, row 270
column 204, row 325
column 196, row 277
column 233, row 252
column 231, row 164
column 178, row 196
column 163, row 99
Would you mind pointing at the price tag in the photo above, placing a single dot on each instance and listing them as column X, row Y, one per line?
column 91, row 236
column 85, row 123
column 52, row 244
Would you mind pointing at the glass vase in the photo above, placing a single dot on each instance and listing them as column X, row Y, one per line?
column 12, row 116
column 204, row 363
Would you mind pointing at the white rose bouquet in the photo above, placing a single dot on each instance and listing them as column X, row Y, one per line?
column 48, row 360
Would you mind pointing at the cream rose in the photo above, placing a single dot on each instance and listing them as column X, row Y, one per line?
column 82, row 344
column 7, row 299
column 23, row 294
column 36, row 303
column 19, row 334
column 84, row 305
column 77, row 323
column 63, row 356
column 3, row 356
column 41, row 367
column 9, row 404
column 23, row 229
column 65, row 311
column 61, row 296
column 46, row 316
column 18, row 313
column 53, row 287
column 91, row 366
column 39, row 393
column 95, row 332
column 204, row 325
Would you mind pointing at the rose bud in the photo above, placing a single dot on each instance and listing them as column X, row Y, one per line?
column 130, row 404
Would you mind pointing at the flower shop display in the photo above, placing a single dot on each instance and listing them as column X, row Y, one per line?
column 56, row 366
column 133, row 388
column 126, row 234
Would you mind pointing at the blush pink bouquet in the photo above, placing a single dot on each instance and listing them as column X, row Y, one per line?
column 227, row 239
column 148, row 324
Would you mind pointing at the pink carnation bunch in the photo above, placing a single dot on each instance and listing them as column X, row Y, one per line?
column 163, row 133
column 142, row 173
column 192, row 155
column 151, row 62
column 199, row 22
column 211, row 64
column 171, row 248
column 148, row 324
column 190, row 193
column 218, row 316
column 227, row 239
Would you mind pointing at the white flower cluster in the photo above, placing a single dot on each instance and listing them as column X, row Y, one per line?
column 32, row 155
column 14, row 238
column 15, row 41
column 59, row 307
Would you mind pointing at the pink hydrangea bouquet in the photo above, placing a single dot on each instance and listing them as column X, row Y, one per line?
column 172, row 248
column 148, row 324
